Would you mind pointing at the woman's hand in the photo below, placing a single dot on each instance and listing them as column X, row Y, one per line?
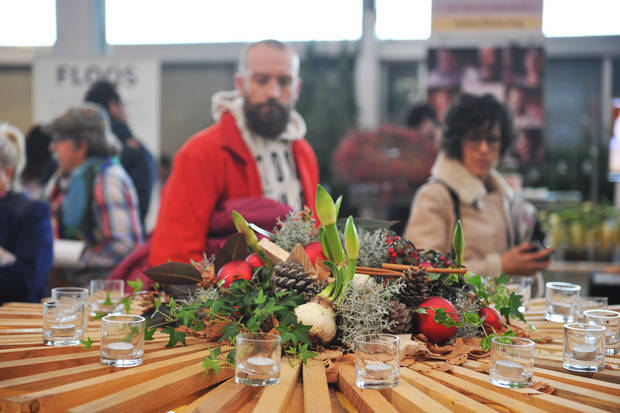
column 520, row 261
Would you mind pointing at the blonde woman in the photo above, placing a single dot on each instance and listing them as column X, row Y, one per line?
column 25, row 228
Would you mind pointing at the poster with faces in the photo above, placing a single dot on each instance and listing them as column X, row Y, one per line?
column 514, row 75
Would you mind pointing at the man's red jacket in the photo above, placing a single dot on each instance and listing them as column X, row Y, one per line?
column 213, row 166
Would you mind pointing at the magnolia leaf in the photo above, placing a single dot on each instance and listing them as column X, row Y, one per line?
column 174, row 273
column 235, row 248
column 159, row 318
column 368, row 224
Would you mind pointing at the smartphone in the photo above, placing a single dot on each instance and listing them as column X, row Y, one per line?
column 538, row 240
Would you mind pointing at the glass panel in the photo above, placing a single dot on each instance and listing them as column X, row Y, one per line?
column 403, row 19
column 564, row 18
column 194, row 21
column 28, row 23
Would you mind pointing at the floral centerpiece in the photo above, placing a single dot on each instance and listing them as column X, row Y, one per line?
column 319, row 287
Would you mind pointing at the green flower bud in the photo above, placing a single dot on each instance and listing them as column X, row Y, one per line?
column 351, row 240
column 325, row 208
column 458, row 243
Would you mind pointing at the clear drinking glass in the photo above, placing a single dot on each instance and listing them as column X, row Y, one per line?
column 377, row 361
column 105, row 295
column 611, row 321
column 73, row 294
column 122, row 340
column 590, row 303
column 561, row 301
column 257, row 360
column 584, row 347
column 521, row 286
column 63, row 323
column 512, row 362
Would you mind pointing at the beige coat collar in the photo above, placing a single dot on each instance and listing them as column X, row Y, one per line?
column 468, row 187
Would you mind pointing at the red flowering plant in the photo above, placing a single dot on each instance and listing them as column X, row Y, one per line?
column 391, row 154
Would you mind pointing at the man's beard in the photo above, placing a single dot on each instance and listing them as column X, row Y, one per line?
column 267, row 119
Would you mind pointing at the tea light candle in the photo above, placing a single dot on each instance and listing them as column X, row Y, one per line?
column 260, row 364
column 119, row 349
column 584, row 352
column 562, row 308
column 378, row 370
column 63, row 330
column 508, row 368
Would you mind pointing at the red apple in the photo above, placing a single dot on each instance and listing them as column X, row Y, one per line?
column 492, row 320
column 253, row 260
column 234, row 270
column 314, row 252
column 425, row 324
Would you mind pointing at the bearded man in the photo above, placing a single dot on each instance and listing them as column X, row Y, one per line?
column 255, row 150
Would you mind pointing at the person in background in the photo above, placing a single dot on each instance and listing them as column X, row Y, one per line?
column 25, row 228
column 93, row 201
column 255, row 150
column 135, row 158
column 465, row 184
column 40, row 165
column 423, row 120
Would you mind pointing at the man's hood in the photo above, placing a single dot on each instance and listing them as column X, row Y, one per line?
column 231, row 101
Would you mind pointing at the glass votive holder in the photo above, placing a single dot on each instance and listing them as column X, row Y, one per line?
column 512, row 362
column 122, row 340
column 561, row 301
column 584, row 347
column 72, row 294
column 521, row 286
column 611, row 321
column 63, row 323
column 590, row 303
column 377, row 361
column 257, row 359
column 105, row 295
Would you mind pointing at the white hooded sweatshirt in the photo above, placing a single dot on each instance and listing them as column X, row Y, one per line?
column 274, row 157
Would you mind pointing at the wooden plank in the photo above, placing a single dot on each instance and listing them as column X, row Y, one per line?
column 364, row 400
column 72, row 394
column 54, row 378
column 534, row 397
column 490, row 397
column 554, row 362
column 450, row 398
column 566, row 377
column 406, row 398
column 296, row 403
column 227, row 397
column 276, row 398
column 159, row 391
column 316, row 392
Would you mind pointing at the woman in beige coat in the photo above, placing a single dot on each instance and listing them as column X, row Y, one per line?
column 464, row 182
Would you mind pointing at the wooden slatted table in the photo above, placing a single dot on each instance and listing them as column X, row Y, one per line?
column 38, row 378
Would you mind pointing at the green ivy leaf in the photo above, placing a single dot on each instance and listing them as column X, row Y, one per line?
column 261, row 297
column 136, row 285
column 230, row 330
column 441, row 317
column 148, row 333
column 503, row 279
column 87, row 343
column 472, row 318
column 305, row 354
column 108, row 299
column 126, row 301
column 175, row 337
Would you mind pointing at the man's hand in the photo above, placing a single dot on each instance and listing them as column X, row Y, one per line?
column 519, row 261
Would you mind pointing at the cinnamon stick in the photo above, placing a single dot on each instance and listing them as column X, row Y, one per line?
column 380, row 272
column 403, row 267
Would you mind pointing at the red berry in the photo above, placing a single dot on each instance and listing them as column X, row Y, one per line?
column 234, row 270
column 427, row 326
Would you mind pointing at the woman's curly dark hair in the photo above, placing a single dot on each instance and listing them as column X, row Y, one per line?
column 470, row 114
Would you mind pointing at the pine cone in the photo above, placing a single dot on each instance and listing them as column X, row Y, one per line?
column 292, row 276
column 402, row 316
column 416, row 288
